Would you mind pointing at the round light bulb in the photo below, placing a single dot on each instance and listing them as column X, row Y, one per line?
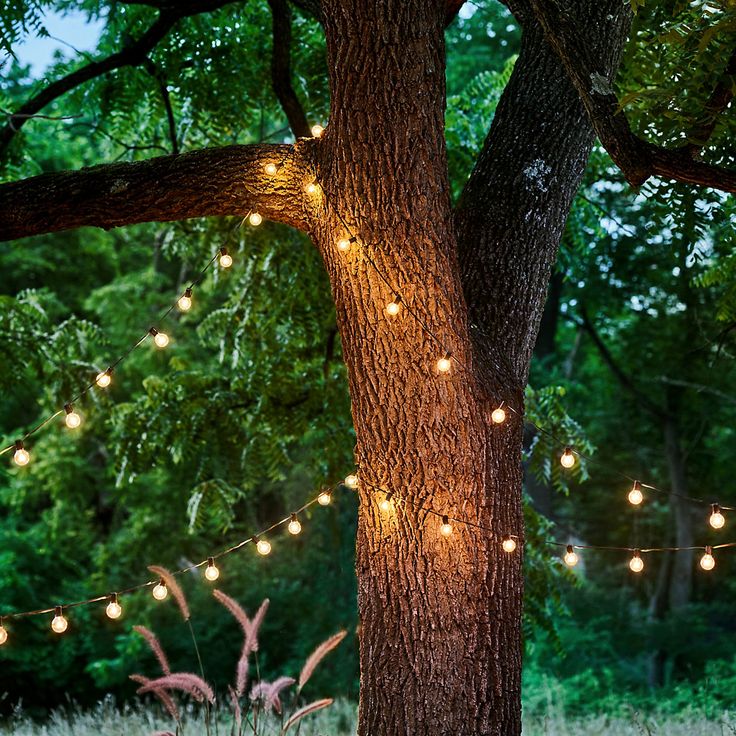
column 311, row 188
column 21, row 456
column 317, row 131
column 212, row 572
column 392, row 308
column 444, row 365
column 103, row 379
column 160, row 591
column 707, row 561
column 72, row 419
column 59, row 624
column 636, row 564
column 185, row 301
column 226, row 260
column 255, row 219
column 446, row 527
column 264, row 547
column 114, row 610
column 343, row 245
column 3, row 635
column 270, row 169
column 324, row 498
column 570, row 558
column 568, row 458
column 385, row 503
column 351, row 481
column 635, row 495
column 295, row 526
column 498, row 416
column 161, row 339
column 509, row 544
column 717, row 520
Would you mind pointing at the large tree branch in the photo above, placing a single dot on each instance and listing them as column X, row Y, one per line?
column 638, row 159
column 133, row 53
column 281, row 69
column 214, row 181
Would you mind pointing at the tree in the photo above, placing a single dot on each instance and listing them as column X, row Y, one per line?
column 440, row 618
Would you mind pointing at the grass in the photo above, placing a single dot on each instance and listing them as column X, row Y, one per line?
column 107, row 720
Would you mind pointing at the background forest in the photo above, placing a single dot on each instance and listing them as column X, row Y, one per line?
column 247, row 413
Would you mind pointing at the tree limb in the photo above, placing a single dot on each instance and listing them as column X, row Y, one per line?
column 281, row 69
column 638, row 159
column 166, row 99
column 215, row 181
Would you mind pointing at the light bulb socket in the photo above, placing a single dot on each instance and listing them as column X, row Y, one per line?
column 68, row 408
column 637, row 486
column 210, row 562
column 19, row 445
column 397, row 298
column 445, row 520
column 293, row 518
column 352, row 239
column 569, row 549
column 153, row 331
column 715, row 508
column 58, row 612
column 113, row 598
column 188, row 293
column 709, row 550
column 255, row 539
column 223, row 251
column 637, row 553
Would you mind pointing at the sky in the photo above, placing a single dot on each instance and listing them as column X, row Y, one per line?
column 69, row 29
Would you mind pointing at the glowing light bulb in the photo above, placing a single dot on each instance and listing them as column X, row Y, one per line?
column 270, row 169
column 21, row 456
column 160, row 338
column 570, row 558
column 717, row 519
column 394, row 307
column 211, row 572
column 344, row 244
column 160, row 591
column 226, row 260
column 444, row 364
column 3, row 635
column 445, row 527
column 185, row 301
column 324, row 498
column 707, row 561
column 263, row 546
column 255, row 219
column 72, row 419
column 498, row 416
column 568, row 458
column 635, row 495
column 114, row 610
column 295, row 526
column 636, row 564
column 351, row 481
column 385, row 503
column 58, row 623
column 104, row 379
column 311, row 188
column 509, row 544
column 317, row 131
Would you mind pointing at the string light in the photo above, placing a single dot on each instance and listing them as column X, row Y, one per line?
column 385, row 502
column 72, row 419
column 344, row 244
column 317, row 131
column 21, row 456
column 636, row 564
column 445, row 527
column 717, row 519
column 498, row 416
column 444, row 364
column 351, row 481
column 508, row 544
column 160, row 338
column 263, row 546
column 295, row 526
column 324, row 498
column 635, row 495
column 160, row 591
column 212, row 572
column 393, row 308
column 3, row 634
column 568, row 458
column 311, row 188
column 270, row 169
column 185, row 301
column 114, row 610
column 59, row 624
column 104, row 379
column 255, row 219
column 707, row 561
column 571, row 559
column 226, row 260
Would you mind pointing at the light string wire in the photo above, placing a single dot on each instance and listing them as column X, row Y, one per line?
column 189, row 568
column 447, row 353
